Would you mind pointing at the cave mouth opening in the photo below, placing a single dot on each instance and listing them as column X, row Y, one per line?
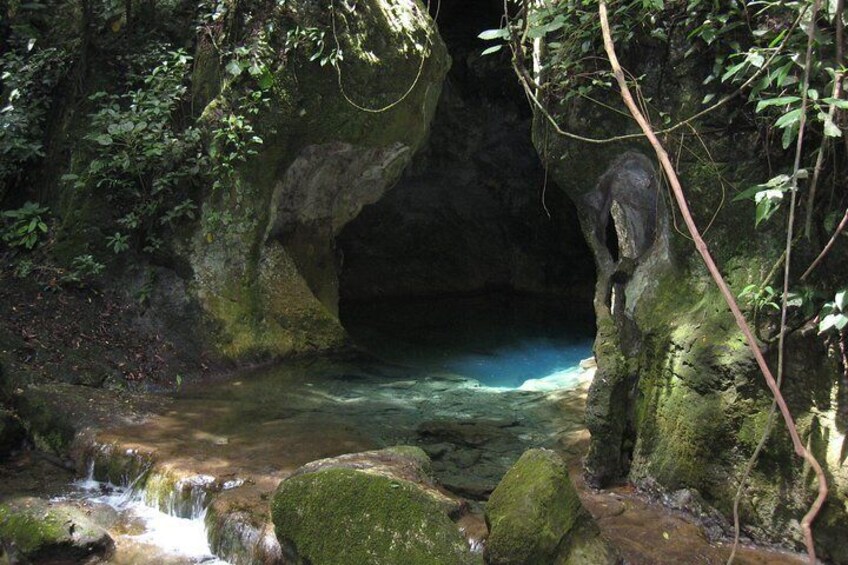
column 474, row 263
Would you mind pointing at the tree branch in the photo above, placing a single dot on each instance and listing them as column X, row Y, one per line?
column 827, row 247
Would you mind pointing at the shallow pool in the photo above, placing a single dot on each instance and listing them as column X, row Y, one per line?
column 501, row 340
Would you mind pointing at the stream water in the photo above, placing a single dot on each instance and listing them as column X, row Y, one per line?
column 146, row 533
column 473, row 381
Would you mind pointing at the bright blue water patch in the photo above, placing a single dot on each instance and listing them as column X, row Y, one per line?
column 510, row 366
column 499, row 340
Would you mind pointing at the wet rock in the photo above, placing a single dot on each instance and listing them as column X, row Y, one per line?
column 471, row 433
column 471, row 455
column 715, row 525
column 376, row 507
column 535, row 516
column 239, row 538
column 36, row 531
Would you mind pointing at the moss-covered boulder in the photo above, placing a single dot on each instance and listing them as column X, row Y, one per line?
column 335, row 138
column 535, row 516
column 36, row 531
column 377, row 507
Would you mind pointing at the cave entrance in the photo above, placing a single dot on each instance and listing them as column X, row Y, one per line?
column 474, row 257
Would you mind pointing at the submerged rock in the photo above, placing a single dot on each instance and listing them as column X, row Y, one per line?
column 36, row 531
column 376, row 507
column 535, row 516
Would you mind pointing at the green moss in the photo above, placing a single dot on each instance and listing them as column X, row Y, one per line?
column 415, row 454
column 35, row 531
column 689, row 427
column 29, row 533
column 531, row 510
column 119, row 467
column 52, row 430
column 274, row 314
column 264, row 304
column 344, row 516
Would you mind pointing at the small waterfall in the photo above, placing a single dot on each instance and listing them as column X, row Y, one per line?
column 171, row 511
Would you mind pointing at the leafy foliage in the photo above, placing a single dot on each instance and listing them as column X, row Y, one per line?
column 571, row 31
column 834, row 314
column 760, row 297
column 143, row 161
column 25, row 226
column 28, row 76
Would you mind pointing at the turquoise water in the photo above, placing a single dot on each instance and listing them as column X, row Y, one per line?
column 500, row 340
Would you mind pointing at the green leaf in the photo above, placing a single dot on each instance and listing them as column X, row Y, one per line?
column 789, row 134
column 841, row 300
column 794, row 300
column 830, row 128
column 839, row 103
column 493, row 49
column 768, row 201
column 104, row 139
column 788, row 119
column 833, row 321
column 491, row 34
column 234, row 68
column 782, row 101
column 266, row 81
column 756, row 59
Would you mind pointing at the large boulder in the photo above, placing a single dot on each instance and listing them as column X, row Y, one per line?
column 535, row 516
column 335, row 139
column 376, row 507
column 36, row 531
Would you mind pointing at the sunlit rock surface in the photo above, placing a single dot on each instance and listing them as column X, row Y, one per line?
column 36, row 531
column 535, row 516
column 375, row 507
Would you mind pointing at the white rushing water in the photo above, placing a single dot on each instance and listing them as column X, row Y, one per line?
column 183, row 540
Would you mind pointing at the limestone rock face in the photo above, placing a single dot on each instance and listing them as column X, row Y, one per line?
column 37, row 531
column 535, row 516
column 334, row 140
column 678, row 400
column 374, row 507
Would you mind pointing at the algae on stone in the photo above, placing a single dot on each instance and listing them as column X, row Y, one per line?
column 535, row 516
column 37, row 531
column 376, row 507
column 270, row 280
column 678, row 401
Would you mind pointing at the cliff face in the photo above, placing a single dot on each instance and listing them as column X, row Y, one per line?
column 678, row 402
column 338, row 140
column 230, row 143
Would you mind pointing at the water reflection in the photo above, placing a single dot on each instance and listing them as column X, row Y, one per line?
column 501, row 340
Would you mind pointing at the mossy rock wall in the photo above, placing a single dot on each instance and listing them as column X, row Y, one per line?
column 272, row 283
column 258, row 260
column 678, row 401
